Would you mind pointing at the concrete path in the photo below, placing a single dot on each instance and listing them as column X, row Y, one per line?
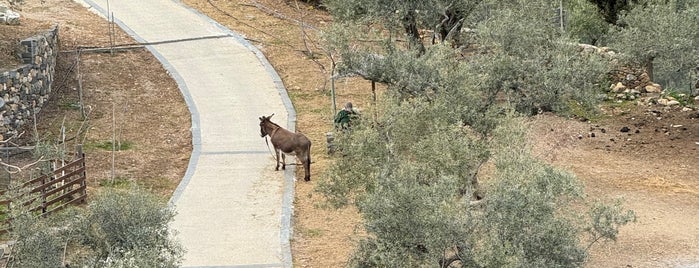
column 233, row 209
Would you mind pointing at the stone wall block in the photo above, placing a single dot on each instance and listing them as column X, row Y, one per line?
column 26, row 88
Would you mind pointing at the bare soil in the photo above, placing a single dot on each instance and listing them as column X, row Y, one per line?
column 653, row 166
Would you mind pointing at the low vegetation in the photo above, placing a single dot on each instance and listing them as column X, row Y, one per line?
column 119, row 228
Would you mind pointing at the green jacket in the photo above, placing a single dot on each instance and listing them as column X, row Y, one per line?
column 343, row 118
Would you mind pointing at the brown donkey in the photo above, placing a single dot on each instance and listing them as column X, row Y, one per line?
column 287, row 142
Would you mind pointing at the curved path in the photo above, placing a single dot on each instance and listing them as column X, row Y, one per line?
column 233, row 209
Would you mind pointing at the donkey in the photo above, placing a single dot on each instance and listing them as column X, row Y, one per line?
column 287, row 142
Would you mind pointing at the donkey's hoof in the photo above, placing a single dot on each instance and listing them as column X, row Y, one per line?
column 307, row 178
column 284, row 167
column 276, row 169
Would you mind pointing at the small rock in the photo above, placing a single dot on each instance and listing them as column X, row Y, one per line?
column 603, row 130
column 663, row 101
column 624, row 129
column 592, row 134
column 618, row 87
column 673, row 103
column 653, row 88
column 687, row 109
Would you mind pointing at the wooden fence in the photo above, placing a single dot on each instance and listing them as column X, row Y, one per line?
column 64, row 186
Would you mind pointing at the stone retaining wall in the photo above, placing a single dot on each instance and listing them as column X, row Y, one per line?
column 26, row 88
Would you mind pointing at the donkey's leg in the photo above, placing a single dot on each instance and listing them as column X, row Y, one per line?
column 307, row 165
column 276, row 152
column 307, row 162
column 283, row 161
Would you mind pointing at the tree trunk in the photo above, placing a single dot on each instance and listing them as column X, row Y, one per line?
column 410, row 26
column 451, row 26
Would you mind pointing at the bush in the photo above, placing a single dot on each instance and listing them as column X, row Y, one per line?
column 117, row 229
column 131, row 226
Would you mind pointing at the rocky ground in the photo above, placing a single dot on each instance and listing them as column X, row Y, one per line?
column 645, row 153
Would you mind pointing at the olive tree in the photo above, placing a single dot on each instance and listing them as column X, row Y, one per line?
column 439, row 168
column 411, row 175
column 419, row 21
column 584, row 23
column 536, row 67
column 663, row 36
column 517, row 53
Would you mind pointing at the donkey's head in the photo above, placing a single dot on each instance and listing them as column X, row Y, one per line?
column 264, row 121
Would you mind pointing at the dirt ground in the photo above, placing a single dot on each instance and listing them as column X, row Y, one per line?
column 653, row 166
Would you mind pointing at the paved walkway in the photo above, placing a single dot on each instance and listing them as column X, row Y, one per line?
column 233, row 209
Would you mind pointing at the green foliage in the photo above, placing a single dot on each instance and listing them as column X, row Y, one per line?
column 444, row 17
column 131, row 226
column 586, row 24
column 70, row 105
column 535, row 68
column 413, row 183
column 108, row 145
column 423, row 221
column 520, row 56
column 606, row 220
column 526, row 216
column 414, row 168
column 39, row 243
column 666, row 34
column 428, row 137
column 117, row 229
column 118, row 182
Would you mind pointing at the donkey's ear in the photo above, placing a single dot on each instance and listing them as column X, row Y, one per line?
column 262, row 118
column 270, row 116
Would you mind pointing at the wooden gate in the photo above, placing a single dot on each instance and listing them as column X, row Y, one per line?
column 52, row 192
column 64, row 186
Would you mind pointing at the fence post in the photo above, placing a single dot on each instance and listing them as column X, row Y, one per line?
column 83, row 175
column 43, row 192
